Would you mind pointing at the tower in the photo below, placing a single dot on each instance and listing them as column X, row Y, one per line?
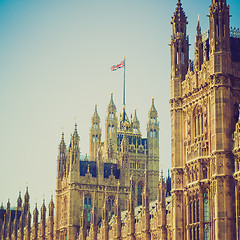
column 67, row 208
column 179, row 65
column 111, row 125
column 179, row 50
column 202, row 124
column 220, row 55
column 95, row 136
column 153, row 151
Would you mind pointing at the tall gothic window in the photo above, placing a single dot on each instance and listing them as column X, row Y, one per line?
column 206, row 215
column 87, row 206
column 151, row 133
column 139, row 193
column 198, row 124
column 194, row 219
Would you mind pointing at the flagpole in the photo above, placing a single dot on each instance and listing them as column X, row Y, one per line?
column 124, row 84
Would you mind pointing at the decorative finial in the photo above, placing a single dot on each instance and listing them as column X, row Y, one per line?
column 88, row 169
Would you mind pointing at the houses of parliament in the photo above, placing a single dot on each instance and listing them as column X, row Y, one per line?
column 116, row 192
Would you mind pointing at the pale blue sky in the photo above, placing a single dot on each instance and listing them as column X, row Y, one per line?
column 55, row 59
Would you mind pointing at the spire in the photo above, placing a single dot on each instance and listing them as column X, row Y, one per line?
column 179, row 49
column 35, row 215
column 26, row 195
column 111, row 105
column 19, row 201
column 75, row 133
column 51, row 207
column 124, row 117
column 8, row 204
column 135, row 123
column 152, row 114
column 135, row 119
column 198, row 27
column 95, row 115
column 62, row 145
column 124, row 122
column 179, row 14
column 43, row 211
column 153, row 109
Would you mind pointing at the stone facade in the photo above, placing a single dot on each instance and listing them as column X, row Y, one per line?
column 113, row 193
column 93, row 183
column 205, row 97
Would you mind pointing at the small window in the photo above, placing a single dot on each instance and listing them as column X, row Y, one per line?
column 87, row 206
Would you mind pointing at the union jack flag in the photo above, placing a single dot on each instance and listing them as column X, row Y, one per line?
column 116, row 67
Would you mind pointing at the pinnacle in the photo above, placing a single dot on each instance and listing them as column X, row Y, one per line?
column 198, row 27
column 135, row 119
column 95, row 115
column 153, row 109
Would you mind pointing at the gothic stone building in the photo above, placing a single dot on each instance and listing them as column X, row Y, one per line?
column 82, row 185
column 112, row 194
column 205, row 98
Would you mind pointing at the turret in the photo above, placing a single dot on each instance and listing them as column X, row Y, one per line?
column 111, row 125
column 220, row 55
column 153, row 150
column 74, row 156
column 95, row 136
column 61, row 160
column 179, row 50
column 198, row 49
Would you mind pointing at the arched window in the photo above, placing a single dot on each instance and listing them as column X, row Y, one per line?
column 87, row 206
column 206, row 215
column 139, row 193
column 155, row 133
column 96, row 138
column 93, row 138
column 151, row 133
column 194, row 218
column 195, row 126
